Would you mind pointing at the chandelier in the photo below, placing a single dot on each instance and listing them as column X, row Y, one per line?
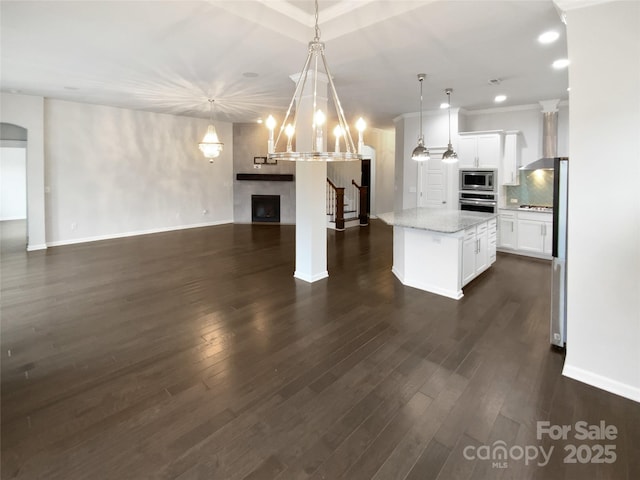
column 318, row 122
column 211, row 146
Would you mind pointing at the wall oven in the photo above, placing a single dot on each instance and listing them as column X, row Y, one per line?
column 479, row 202
column 478, row 180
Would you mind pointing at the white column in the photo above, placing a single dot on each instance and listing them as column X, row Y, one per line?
column 311, row 181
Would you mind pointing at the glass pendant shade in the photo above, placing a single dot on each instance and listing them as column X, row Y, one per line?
column 211, row 146
column 449, row 156
column 421, row 152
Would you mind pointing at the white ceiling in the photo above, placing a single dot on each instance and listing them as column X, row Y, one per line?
column 170, row 56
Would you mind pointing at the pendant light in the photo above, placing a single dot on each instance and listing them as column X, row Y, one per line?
column 318, row 118
column 450, row 156
column 421, row 153
column 211, row 146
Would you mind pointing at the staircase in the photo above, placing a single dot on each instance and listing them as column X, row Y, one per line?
column 346, row 206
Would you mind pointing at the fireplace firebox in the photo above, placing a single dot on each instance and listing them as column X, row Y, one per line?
column 265, row 208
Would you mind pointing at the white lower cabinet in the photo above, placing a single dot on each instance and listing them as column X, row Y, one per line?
column 478, row 250
column 508, row 232
column 528, row 233
column 535, row 231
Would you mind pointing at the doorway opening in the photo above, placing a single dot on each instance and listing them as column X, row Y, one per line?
column 13, row 187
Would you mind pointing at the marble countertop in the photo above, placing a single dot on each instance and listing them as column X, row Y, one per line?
column 518, row 209
column 435, row 219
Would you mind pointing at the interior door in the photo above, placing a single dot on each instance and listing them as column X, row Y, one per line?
column 432, row 182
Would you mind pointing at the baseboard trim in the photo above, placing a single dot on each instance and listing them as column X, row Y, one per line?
column 311, row 278
column 33, row 248
column 98, row 238
column 601, row 382
column 541, row 256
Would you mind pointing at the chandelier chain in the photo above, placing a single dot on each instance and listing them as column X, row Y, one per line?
column 317, row 39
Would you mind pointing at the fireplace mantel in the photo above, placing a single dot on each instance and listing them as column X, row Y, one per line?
column 265, row 177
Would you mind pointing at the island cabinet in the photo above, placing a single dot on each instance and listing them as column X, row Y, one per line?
column 480, row 149
column 535, row 232
column 440, row 251
column 478, row 250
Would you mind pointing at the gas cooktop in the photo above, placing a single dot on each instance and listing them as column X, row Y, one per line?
column 536, row 208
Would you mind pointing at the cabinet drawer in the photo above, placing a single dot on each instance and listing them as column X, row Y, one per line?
column 481, row 228
column 538, row 216
column 469, row 233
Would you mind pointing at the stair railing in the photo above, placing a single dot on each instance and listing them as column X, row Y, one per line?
column 335, row 204
column 362, row 207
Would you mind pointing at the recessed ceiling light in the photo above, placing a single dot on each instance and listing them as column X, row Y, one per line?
column 259, row 120
column 500, row 98
column 444, row 105
column 568, row 89
column 250, row 74
column 562, row 63
column 548, row 37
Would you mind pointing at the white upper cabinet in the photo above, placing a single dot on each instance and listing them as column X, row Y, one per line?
column 511, row 160
column 480, row 149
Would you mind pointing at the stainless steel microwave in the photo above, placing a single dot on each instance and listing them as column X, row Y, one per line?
column 478, row 180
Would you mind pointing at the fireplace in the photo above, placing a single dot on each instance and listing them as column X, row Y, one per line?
column 265, row 208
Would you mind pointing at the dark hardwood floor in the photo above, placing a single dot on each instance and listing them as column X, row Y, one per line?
column 196, row 355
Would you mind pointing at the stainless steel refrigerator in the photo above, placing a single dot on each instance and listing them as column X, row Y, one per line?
column 559, row 252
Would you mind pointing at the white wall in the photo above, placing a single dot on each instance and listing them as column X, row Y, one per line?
column 27, row 111
column 115, row 172
column 13, row 183
column 603, row 343
column 383, row 142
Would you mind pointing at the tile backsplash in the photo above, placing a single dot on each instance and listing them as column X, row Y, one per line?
column 536, row 188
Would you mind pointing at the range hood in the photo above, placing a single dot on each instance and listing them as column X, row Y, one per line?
column 549, row 141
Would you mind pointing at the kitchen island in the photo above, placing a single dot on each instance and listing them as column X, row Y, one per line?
column 439, row 250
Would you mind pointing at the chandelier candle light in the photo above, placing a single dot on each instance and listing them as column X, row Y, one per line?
column 318, row 121
column 421, row 153
column 211, row 146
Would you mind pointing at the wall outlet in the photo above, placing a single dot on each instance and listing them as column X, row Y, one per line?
column 74, row 225
column 205, row 211
column 257, row 166
column 513, row 200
